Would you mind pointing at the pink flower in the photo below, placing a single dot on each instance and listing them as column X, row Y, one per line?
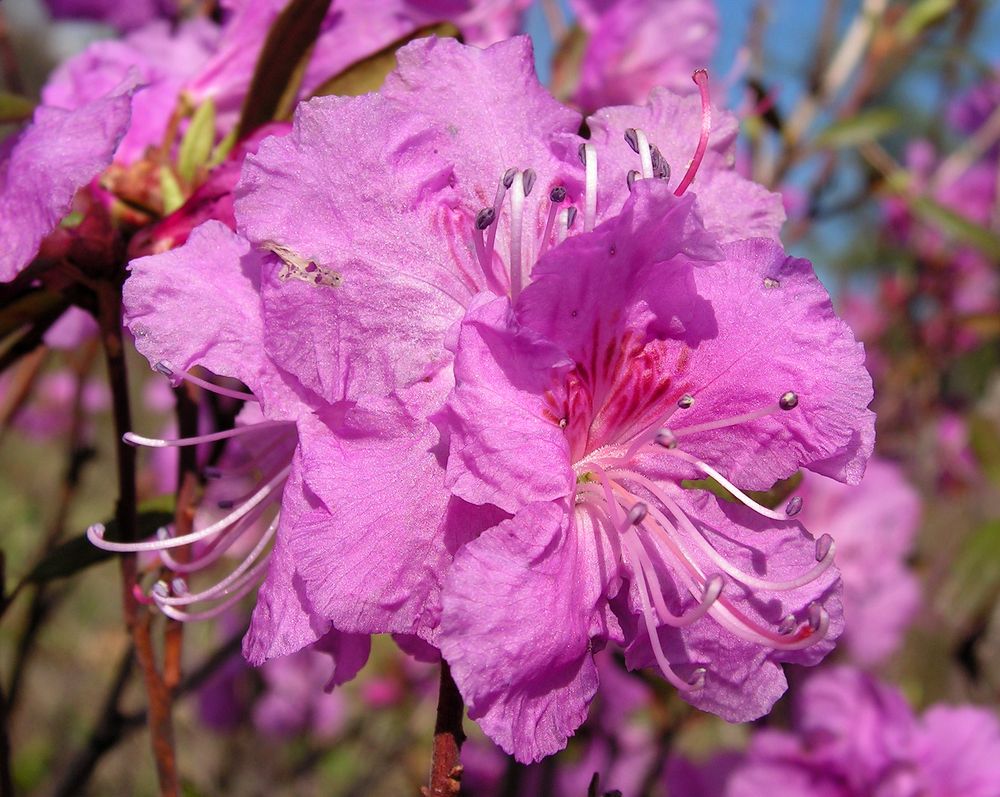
column 873, row 525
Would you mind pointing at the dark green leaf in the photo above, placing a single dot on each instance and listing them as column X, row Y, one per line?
column 15, row 108
column 289, row 41
column 78, row 553
column 369, row 73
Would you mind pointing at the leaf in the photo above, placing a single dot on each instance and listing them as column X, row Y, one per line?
column 921, row 15
column 370, row 73
column 14, row 108
column 222, row 150
column 289, row 41
column 196, row 146
column 974, row 581
column 863, row 127
column 79, row 553
column 28, row 308
column 173, row 195
column 955, row 225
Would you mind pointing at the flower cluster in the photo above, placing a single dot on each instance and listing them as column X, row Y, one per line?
column 485, row 424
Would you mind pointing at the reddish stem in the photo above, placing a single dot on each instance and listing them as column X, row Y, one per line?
column 446, row 767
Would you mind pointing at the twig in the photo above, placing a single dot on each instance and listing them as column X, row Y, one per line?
column 6, row 777
column 137, row 619
column 8, row 58
column 446, row 767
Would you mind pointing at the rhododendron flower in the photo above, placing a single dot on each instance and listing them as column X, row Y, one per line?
column 629, row 51
column 625, row 368
column 124, row 16
column 855, row 735
column 873, row 525
column 43, row 166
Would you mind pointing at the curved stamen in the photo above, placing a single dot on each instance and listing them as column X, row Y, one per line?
column 700, row 77
column 214, row 549
column 96, row 532
column 230, row 582
column 736, row 492
column 168, row 371
column 234, row 598
column 153, row 442
column 825, row 547
column 651, row 627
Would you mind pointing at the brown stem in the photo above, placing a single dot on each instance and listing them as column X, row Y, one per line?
column 8, row 58
column 446, row 767
column 137, row 619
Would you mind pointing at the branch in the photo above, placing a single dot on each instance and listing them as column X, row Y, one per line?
column 137, row 619
column 446, row 768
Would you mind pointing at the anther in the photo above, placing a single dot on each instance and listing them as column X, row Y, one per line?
column 485, row 217
column 632, row 137
column 179, row 586
column 637, row 513
column 161, row 589
column 788, row 624
column 563, row 423
column 686, row 401
column 581, row 151
column 97, row 530
column 212, row 472
column 528, row 178
column 557, row 194
column 661, row 169
column 713, row 588
column 816, row 613
column 164, row 368
column 666, row 438
column 771, row 282
column 162, row 533
column 789, row 401
column 823, row 546
column 508, row 177
column 226, row 503
column 698, row 678
column 631, row 177
column 570, row 216
column 794, row 506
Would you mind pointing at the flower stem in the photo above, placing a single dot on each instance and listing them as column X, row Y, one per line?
column 137, row 619
column 446, row 767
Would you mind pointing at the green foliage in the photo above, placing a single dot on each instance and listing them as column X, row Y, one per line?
column 861, row 128
column 196, row 146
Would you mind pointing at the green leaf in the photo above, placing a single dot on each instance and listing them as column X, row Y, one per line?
column 921, row 15
column 289, row 42
column 14, row 108
column 369, row 73
column 78, row 553
column 222, row 150
column 956, row 226
column 173, row 194
column 196, row 146
column 974, row 581
column 861, row 128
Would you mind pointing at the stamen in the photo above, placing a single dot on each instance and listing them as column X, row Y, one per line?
column 700, row 77
column 823, row 547
column 686, row 401
column 168, row 371
column 645, row 157
column 528, row 177
column 794, row 506
column 96, row 532
column 556, row 197
column 735, row 420
column 589, row 155
column 788, row 624
column 485, row 217
column 506, row 180
column 637, row 513
column 737, row 493
column 632, row 138
column 152, row 442
column 517, row 195
column 185, row 598
column 631, row 177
